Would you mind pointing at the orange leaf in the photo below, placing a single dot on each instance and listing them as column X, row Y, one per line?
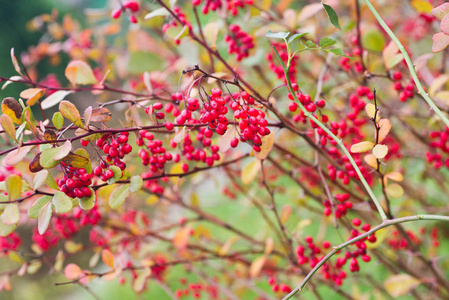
column 72, row 271
column 108, row 258
column 79, row 72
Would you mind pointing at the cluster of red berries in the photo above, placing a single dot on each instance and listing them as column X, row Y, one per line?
column 406, row 92
column 196, row 289
column 275, row 65
column 239, row 42
column 193, row 154
column 75, row 182
column 213, row 5
column 97, row 239
column 9, row 242
column 251, row 121
column 115, row 147
column 45, row 241
column 341, row 208
column 214, row 114
column 155, row 154
column 398, row 242
column 347, row 64
column 439, row 143
column 174, row 23
column 130, row 6
column 284, row 288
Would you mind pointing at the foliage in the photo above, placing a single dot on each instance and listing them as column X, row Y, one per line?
column 230, row 149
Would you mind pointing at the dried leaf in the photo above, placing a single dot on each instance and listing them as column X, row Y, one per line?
column 12, row 108
column 101, row 115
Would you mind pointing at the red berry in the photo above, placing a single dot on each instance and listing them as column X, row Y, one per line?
column 116, row 13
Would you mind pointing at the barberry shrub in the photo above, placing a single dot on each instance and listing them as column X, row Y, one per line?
column 236, row 149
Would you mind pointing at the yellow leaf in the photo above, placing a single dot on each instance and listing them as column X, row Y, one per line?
column 152, row 199
column 225, row 248
column 8, row 126
column 437, row 84
column 12, row 108
column 72, row 247
column 79, row 72
column 400, row 284
column 267, row 145
column 257, row 266
column 385, row 126
column 269, row 245
column 32, row 95
column 362, row 147
column 371, row 161
column 285, row 213
column 379, row 151
column 370, row 110
column 396, row 176
column 250, row 171
column 421, row 6
column 380, row 238
column 107, row 258
column 394, row 190
column 181, row 238
column 210, row 33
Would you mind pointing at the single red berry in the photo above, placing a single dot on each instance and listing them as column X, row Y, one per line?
column 116, row 13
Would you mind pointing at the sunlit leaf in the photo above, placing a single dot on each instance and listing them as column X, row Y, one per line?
column 160, row 12
column 181, row 238
column 362, row 147
column 64, row 150
column 11, row 214
column 17, row 155
column 8, row 126
column 72, row 271
column 400, row 284
column 384, row 129
column 257, row 266
column 33, row 211
column 379, row 151
column 395, row 176
column 118, row 196
column 394, row 190
column 71, row 113
column 440, row 42
column 13, row 186
column 373, row 40
column 79, row 72
column 54, row 99
column 135, row 183
column 39, row 179
column 61, row 202
column 267, row 145
column 12, row 108
column 250, row 172
column 107, row 258
column 44, row 217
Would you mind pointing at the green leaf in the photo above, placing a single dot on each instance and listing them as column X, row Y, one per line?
column 136, row 183
column 333, row 17
column 310, row 44
column 6, row 230
column 277, row 35
column 326, row 42
column 13, row 186
column 58, row 120
column 373, row 40
column 117, row 174
column 62, row 203
column 20, row 130
column 33, row 211
column 338, row 51
column 44, row 217
column 51, row 182
column 11, row 214
column 118, row 196
column 296, row 36
column 64, row 150
column 46, row 159
column 87, row 203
